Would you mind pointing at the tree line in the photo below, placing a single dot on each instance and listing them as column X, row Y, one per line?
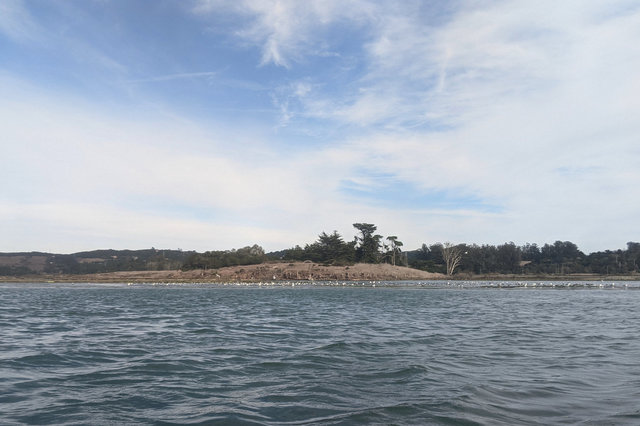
column 91, row 262
column 561, row 257
column 249, row 255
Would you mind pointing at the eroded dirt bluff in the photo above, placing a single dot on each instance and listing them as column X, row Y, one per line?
column 276, row 271
column 313, row 271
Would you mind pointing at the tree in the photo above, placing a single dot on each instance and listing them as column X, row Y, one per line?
column 633, row 256
column 531, row 252
column 562, row 257
column 295, row 253
column 509, row 256
column 394, row 245
column 329, row 249
column 368, row 243
column 334, row 249
column 452, row 256
column 423, row 258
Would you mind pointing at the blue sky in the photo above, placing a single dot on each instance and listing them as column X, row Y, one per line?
column 210, row 124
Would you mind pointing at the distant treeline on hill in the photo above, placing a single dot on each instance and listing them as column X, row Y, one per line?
column 559, row 258
column 91, row 262
column 218, row 259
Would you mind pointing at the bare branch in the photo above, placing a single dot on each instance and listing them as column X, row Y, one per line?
column 452, row 256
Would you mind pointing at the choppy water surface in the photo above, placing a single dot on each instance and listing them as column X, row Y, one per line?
column 118, row 354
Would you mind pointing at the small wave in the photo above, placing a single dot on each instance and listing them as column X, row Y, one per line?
column 204, row 331
column 44, row 359
column 398, row 375
column 336, row 356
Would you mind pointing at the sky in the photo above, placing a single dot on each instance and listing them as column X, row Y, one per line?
column 212, row 124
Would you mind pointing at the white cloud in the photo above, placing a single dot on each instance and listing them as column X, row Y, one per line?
column 523, row 90
column 76, row 170
column 288, row 30
column 530, row 107
column 70, row 227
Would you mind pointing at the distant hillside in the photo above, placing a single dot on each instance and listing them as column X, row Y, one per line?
column 91, row 262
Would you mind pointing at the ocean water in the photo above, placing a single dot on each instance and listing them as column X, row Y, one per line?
column 416, row 353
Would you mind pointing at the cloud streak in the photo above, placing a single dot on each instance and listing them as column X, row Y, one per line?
column 17, row 23
column 437, row 121
column 287, row 30
column 181, row 76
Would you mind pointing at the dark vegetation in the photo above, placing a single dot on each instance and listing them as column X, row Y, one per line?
column 559, row 258
column 367, row 247
column 91, row 262
column 218, row 259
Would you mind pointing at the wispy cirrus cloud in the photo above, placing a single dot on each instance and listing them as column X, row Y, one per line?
column 287, row 30
column 476, row 59
column 207, row 75
column 483, row 122
column 493, row 101
column 17, row 23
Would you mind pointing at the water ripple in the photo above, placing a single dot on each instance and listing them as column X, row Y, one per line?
column 419, row 353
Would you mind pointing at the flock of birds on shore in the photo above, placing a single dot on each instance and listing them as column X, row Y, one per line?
column 416, row 284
